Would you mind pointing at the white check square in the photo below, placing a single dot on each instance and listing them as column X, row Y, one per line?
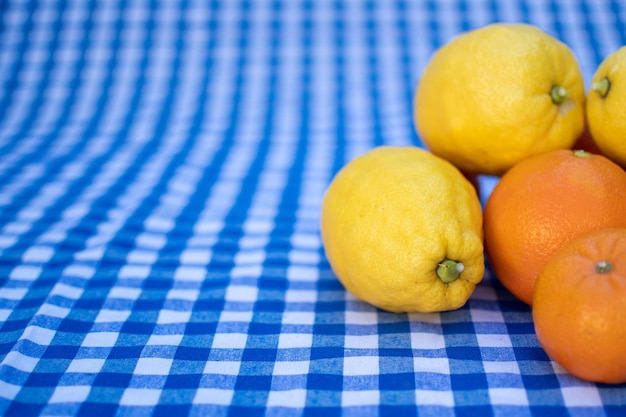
column 229, row 316
column 302, row 273
column 153, row 366
column 300, row 296
column 165, row 340
column 180, row 294
column 134, row 271
column 360, row 398
column 293, row 398
column 100, row 339
column 433, row 397
column 195, row 257
column 487, row 316
column 360, row 365
column 291, row 367
column 112, row 316
column 508, row 396
column 361, row 317
column 190, row 273
column 25, row 273
column 79, row 271
column 15, row 294
column 295, row 340
column 369, row 341
column 70, row 394
column 297, row 317
column 427, row 341
column 229, row 341
column 142, row 256
column 39, row 335
column 253, row 257
column 38, row 254
column 581, row 396
column 213, row 396
column 171, row 317
column 9, row 391
column 86, row 366
column 52, row 310
column 124, row 293
column 140, row 397
column 246, row 293
column 67, row 291
column 5, row 313
column 246, row 271
column 20, row 361
column 222, row 367
column 501, row 367
column 494, row 340
column 148, row 240
column 434, row 365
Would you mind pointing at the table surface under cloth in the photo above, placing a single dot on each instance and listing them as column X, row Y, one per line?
column 162, row 167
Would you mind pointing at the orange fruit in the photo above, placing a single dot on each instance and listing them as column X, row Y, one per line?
column 579, row 306
column 542, row 203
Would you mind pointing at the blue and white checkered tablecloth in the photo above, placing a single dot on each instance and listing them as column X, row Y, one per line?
column 162, row 166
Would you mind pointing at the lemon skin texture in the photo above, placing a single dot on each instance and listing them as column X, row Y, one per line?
column 390, row 217
column 606, row 107
column 498, row 94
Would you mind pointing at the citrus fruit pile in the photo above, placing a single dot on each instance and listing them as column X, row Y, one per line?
column 403, row 227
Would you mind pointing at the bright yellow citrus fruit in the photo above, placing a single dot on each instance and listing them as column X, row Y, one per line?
column 498, row 94
column 606, row 107
column 402, row 230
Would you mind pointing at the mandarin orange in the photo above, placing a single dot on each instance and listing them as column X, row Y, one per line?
column 579, row 306
column 542, row 203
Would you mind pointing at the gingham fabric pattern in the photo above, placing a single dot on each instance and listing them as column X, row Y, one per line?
column 162, row 167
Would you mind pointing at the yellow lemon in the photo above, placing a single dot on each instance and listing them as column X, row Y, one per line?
column 606, row 107
column 498, row 94
column 402, row 230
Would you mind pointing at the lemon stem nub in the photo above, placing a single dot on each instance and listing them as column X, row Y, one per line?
column 604, row 267
column 602, row 87
column 449, row 270
column 558, row 94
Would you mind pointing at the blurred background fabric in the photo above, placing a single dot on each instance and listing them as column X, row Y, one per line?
column 162, row 167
